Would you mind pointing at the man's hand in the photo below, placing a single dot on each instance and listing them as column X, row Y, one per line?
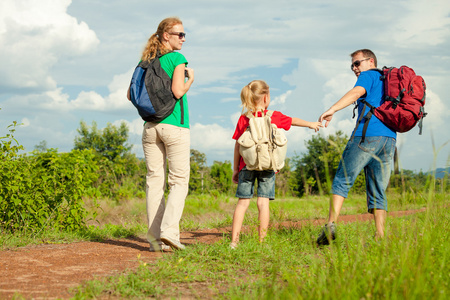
column 327, row 116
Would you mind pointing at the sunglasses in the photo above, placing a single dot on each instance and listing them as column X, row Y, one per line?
column 357, row 63
column 180, row 34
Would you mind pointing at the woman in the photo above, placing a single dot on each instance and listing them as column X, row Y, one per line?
column 168, row 141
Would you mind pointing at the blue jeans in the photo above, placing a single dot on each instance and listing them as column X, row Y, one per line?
column 246, row 184
column 375, row 157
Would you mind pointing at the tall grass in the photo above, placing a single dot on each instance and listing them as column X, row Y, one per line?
column 412, row 262
column 128, row 217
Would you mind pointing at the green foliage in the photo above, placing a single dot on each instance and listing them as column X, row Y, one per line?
column 120, row 178
column 221, row 176
column 44, row 189
column 315, row 169
column 198, row 172
column 111, row 142
column 288, row 265
column 285, row 183
column 121, row 174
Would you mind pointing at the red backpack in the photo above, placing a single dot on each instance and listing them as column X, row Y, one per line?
column 404, row 98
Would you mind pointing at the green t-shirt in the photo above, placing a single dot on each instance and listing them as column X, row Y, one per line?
column 169, row 62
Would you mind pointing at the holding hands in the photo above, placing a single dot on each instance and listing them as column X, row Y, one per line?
column 327, row 116
column 315, row 126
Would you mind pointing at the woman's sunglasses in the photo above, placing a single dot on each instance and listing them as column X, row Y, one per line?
column 180, row 34
column 357, row 63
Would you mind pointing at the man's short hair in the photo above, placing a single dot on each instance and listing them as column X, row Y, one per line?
column 367, row 54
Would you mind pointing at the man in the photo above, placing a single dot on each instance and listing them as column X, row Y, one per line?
column 374, row 154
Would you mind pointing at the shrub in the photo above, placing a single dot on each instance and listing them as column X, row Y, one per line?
column 43, row 190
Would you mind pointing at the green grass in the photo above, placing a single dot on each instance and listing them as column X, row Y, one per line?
column 411, row 263
column 128, row 218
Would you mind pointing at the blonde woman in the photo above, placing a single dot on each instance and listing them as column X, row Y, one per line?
column 255, row 97
column 168, row 141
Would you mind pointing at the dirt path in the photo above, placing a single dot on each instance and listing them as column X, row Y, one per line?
column 50, row 271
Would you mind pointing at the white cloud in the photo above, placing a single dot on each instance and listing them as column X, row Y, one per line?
column 135, row 127
column 33, row 36
column 25, row 122
column 411, row 29
column 280, row 100
column 71, row 76
column 437, row 111
column 211, row 137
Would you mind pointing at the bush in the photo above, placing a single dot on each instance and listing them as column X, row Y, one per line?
column 43, row 189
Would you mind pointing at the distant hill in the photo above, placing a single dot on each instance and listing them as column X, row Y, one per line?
column 441, row 172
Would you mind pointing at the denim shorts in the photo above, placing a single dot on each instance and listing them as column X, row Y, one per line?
column 246, row 184
column 375, row 157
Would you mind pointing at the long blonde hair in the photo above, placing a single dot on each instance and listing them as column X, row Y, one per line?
column 252, row 93
column 154, row 43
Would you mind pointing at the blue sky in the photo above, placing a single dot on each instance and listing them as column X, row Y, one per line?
column 65, row 61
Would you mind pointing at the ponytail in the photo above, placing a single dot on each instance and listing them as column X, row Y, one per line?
column 154, row 43
column 252, row 93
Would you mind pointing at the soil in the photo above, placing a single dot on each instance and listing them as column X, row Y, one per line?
column 51, row 271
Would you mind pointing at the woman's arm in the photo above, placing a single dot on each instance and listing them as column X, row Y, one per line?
column 179, row 85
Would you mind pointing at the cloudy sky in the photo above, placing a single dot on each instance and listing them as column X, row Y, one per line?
column 65, row 61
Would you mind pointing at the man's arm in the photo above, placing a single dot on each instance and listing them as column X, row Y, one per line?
column 350, row 97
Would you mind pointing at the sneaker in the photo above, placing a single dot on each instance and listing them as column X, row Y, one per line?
column 176, row 245
column 164, row 247
column 328, row 231
column 159, row 247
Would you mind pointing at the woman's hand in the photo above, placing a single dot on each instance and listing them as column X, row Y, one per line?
column 179, row 85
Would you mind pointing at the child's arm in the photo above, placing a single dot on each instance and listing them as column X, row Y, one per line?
column 236, row 160
column 303, row 123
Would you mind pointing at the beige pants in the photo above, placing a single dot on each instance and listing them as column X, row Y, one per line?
column 161, row 143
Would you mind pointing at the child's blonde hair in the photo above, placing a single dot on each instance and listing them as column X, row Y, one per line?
column 252, row 93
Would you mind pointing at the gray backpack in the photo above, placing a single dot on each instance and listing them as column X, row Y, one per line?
column 262, row 145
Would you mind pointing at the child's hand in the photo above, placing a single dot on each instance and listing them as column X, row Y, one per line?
column 315, row 125
column 236, row 176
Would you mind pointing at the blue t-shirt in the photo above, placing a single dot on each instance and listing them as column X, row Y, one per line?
column 371, row 82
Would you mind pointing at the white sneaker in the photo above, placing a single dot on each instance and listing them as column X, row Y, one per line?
column 159, row 247
column 176, row 245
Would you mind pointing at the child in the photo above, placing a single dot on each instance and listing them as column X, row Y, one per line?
column 256, row 97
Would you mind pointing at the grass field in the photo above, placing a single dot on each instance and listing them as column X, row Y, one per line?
column 412, row 262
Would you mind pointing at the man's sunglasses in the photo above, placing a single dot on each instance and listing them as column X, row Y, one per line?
column 180, row 34
column 357, row 63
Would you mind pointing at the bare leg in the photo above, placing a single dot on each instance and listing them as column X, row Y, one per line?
column 238, row 219
column 335, row 208
column 379, row 216
column 264, row 217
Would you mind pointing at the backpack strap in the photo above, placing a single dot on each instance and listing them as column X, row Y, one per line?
column 424, row 114
column 366, row 120
column 158, row 56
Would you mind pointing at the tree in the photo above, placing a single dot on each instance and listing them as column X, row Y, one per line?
column 315, row 170
column 111, row 142
column 199, row 171
column 221, row 176
column 41, row 147
column 285, row 183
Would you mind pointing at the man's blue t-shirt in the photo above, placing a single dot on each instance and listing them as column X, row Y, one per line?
column 371, row 82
